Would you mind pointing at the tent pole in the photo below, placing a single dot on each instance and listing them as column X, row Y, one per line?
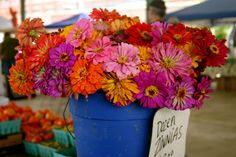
column 22, row 4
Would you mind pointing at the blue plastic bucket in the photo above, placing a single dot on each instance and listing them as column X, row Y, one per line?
column 105, row 130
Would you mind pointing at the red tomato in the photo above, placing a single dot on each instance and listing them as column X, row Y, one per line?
column 9, row 112
column 59, row 122
column 48, row 136
column 4, row 118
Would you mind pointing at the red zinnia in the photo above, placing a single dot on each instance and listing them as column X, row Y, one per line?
column 139, row 34
column 211, row 51
column 201, row 38
column 216, row 53
column 177, row 34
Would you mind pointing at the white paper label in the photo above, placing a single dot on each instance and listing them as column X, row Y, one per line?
column 169, row 133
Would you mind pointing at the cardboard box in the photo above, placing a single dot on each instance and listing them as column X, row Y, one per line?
column 10, row 140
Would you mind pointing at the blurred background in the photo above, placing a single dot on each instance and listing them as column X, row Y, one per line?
column 212, row 130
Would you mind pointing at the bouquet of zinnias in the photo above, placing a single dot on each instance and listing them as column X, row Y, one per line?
column 157, row 64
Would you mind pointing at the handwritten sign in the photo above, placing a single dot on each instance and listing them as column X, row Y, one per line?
column 169, row 133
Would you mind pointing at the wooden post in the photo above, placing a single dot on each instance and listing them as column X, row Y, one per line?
column 22, row 5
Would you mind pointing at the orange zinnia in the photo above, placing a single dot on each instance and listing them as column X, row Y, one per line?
column 29, row 31
column 86, row 78
column 104, row 14
column 40, row 56
column 20, row 79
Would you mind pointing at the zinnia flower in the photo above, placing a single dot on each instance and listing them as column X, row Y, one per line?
column 40, row 80
column 53, row 82
column 40, row 56
column 100, row 26
column 202, row 91
column 144, row 54
column 81, row 31
column 216, row 53
column 123, row 23
column 139, row 34
column 20, row 78
column 59, row 83
column 211, row 51
column 29, row 31
column 120, row 92
column 86, row 78
column 177, row 35
column 62, row 56
column 171, row 60
column 158, row 28
column 99, row 50
column 104, row 15
column 153, row 89
column 123, row 61
column 181, row 96
column 66, row 30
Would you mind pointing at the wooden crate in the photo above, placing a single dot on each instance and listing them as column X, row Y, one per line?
column 226, row 83
column 10, row 140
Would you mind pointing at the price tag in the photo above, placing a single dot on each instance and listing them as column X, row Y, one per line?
column 169, row 133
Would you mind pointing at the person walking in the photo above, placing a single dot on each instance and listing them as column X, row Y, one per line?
column 7, row 55
column 156, row 11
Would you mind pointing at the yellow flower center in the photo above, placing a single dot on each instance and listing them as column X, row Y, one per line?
column 77, row 33
column 214, row 49
column 98, row 49
column 181, row 93
column 21, row 77
column 145, row 35
column 168, row 63
column 177, row 37
column 32, row 33
column 64, row 57
column 82, row 72
column 122, row 59
column 202, row 95
column 151, row 91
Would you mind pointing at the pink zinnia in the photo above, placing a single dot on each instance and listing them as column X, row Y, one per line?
column 123, row 61
column 100, row 26
column 181, row 96
column 153, row 89
column 81, row 31
column 202, row 91
column 171, row 60
column 99, row 50
column 158, row 28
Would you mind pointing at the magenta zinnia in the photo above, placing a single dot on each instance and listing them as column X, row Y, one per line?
column 40, row 80
column 152, row 88
column 123, row 61
column 202, row 91
column 53, row 82
column 171, row 60
column 181, row 96
column 62, row 56
column 158, row 28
